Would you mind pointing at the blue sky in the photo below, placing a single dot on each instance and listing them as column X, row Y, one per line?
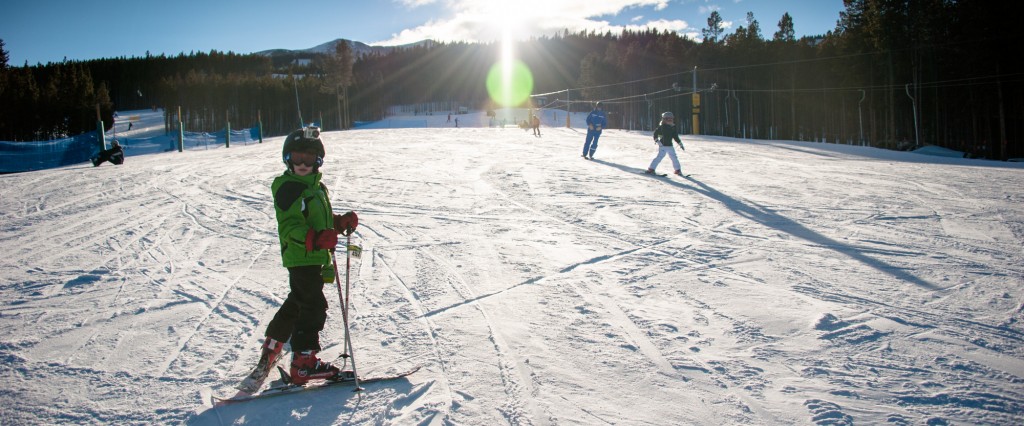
column 41, row 31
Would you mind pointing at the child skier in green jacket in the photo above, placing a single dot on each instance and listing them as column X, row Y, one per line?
column 308, row 232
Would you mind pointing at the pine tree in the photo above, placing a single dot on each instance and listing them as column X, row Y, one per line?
column 786, row 32
column 4, row 89
column 714, row 31
column 4, row 57
column 337, row 68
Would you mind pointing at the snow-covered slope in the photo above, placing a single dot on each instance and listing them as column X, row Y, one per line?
column 783, row 283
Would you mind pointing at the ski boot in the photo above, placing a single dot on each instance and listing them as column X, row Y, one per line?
column 679, row 173
column 306, row 366
column 649, row 171
column 271, row 352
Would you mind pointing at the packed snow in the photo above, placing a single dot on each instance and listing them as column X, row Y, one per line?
column 782, row 283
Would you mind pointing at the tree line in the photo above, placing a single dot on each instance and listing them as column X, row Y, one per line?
column 892, row 74
column 52, row 101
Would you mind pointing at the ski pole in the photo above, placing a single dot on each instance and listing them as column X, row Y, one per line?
column 341, row 303
column 348, row 294
column 343, row 300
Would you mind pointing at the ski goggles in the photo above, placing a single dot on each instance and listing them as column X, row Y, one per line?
column 304, row 159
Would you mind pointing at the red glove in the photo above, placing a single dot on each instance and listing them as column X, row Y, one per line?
column 325, row 240
column 346, row 223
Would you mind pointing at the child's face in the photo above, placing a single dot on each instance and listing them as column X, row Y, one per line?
column 303, row 163
column 302, row 170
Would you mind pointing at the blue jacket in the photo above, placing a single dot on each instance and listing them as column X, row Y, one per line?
column 596, row 121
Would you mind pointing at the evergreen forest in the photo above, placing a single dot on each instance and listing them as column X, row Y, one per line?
column 893, row 74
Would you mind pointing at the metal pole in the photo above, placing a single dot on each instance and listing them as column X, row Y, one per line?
column 298, row 107
column 650, row 115
column 181, row 131
column 344, row 305
column 913, row 102
column 860, row 117
column 567, row 109
column 99, row 129
column 227, row 129
column 739, row 123
column 695, row 100
column 726, row 109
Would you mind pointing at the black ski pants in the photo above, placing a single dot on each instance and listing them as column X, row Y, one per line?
column 304, row 312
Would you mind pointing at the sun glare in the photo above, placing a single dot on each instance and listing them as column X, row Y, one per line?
column 509, row 82
column 506, row 19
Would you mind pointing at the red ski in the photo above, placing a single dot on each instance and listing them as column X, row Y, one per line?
column 288, row 389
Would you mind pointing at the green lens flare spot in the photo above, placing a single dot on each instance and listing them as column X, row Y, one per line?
column 509, row 83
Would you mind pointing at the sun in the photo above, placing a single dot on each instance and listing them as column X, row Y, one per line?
column 507, row 20
column 509, row 81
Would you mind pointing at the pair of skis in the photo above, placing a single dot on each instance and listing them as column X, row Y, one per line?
column 663, row 174
column 644, row 173
column 285, row 387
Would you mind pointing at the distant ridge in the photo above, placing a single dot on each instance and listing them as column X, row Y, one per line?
column 358, row 48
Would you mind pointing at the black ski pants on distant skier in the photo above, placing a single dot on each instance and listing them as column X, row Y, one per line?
column 304, row 312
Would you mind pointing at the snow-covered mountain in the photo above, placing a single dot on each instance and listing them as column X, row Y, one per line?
column 358, row 48
column 782, row 283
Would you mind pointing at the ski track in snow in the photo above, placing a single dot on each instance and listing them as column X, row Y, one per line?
column 783, row 283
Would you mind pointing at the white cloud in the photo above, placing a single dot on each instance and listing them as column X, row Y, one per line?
column 661, row 24
column 706, row 10
column 490, row 20
column 416, row 3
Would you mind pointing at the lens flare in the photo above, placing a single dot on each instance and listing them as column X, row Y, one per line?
column 509, row 83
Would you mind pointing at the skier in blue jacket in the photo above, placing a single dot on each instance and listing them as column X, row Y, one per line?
column 596, row 122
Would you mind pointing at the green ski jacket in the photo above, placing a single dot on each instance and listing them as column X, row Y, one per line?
column 301, row 203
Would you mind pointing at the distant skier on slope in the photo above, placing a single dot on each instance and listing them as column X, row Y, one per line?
column 308, row 232
column 115, row 155
column 663, row 137
column 535, row 123
column 596, row 122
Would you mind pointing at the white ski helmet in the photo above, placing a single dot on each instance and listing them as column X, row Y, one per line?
column 667, row 115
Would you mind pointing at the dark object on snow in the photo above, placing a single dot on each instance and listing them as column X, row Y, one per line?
column 115, row 155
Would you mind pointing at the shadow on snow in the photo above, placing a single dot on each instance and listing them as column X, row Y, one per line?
column 766, row 217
